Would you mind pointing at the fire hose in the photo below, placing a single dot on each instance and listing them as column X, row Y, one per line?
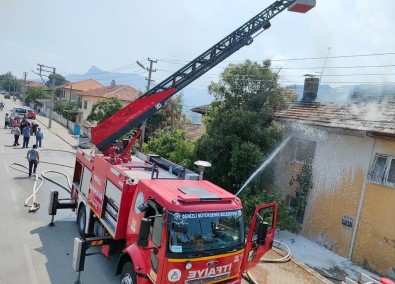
column 34, row 206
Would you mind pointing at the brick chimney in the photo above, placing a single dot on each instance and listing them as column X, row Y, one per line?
column 310, row 88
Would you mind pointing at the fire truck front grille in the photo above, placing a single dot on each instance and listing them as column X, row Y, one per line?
column 207, row 279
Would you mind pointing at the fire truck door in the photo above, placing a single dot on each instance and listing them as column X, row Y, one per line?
column 261, row 234
column 154, row 213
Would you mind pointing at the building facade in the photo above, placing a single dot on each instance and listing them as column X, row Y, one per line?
column 350, row 151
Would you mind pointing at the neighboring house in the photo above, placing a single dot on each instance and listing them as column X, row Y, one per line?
column 193, row 131
column 350, row 149
column 124, row 93
column 69, row 91
column 31, row 84
column 203, row 111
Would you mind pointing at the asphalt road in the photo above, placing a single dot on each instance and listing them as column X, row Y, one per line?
column 30, row 250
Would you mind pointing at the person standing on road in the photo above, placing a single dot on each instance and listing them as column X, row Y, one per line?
column 23, row 123
column 17, row 133
column 6, row 121
column 26, row 136
column 34, row 158
column 39, row 137
column 13, row 123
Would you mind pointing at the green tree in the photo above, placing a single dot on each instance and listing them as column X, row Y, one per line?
column 59, row 80
column 34, row 93
column 305, row 184
column 66, row 109
column 104, row 109
column 169, row 117
column 241, row 130
column 172, row 146
column 9, row 82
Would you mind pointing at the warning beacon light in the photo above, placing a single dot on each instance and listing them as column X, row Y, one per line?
column 302, row 6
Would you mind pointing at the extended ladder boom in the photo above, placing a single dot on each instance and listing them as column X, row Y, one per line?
column 132, row 115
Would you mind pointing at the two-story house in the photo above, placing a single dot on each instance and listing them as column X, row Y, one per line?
column 124, row 93
column 69, row 91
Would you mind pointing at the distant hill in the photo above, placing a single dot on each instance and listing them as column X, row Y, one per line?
column 192, row 96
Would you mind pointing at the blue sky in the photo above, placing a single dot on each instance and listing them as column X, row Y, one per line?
column 73, row 35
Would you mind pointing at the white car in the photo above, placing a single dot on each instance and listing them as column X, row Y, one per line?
column 19, row 111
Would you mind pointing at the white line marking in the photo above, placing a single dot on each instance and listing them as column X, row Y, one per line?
column 29, row 260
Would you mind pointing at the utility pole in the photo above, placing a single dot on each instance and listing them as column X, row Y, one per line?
column 44, row 68
column 150, row 70
column 24, row 87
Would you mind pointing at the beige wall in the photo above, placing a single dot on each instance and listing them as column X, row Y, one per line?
column 341, row 188
column 375, row 238
column 339, row 169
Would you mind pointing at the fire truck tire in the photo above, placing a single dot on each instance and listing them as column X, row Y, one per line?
column 128, row 275
column 81, row 221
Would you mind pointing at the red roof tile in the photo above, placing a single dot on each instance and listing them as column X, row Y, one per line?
column 33, row 84
column 192, row 131
column 378, row 118
column 85, row 85
column 122, row 92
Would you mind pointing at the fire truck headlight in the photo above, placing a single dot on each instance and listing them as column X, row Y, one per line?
column 188, row 265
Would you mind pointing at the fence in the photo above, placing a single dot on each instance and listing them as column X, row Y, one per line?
column 68, row 124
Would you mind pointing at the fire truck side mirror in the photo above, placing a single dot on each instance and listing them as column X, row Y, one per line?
column 142, row 240
column 262, row 232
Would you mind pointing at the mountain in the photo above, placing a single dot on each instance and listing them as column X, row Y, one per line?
column 193, row 97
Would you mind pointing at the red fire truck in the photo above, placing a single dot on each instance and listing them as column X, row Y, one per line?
column 171, row 225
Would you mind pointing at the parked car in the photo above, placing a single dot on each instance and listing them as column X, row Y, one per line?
column 19, row 111
column 7, row 95
column 31, row 114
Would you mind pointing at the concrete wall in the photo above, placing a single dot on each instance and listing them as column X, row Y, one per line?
column 340, row 165
column 346, row 212
column 375, row 239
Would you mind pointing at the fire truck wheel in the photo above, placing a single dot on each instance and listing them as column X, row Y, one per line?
column 81, row 221
column 128, row 274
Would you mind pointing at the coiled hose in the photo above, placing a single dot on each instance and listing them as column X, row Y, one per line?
column 34, row 206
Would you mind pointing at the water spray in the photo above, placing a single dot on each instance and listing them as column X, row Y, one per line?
column 265, row 163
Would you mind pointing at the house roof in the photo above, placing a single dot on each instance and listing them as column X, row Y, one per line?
column 121, row 92
column 200, row 109
column 375, row 118
column 84, row 85
column 33, row 84
column 192, row 131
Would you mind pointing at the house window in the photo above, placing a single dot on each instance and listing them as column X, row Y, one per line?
column 384, row 170
column 85, row 104
column 304, row 151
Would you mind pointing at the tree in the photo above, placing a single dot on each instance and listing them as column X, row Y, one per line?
column 104, row 109
column 172, row 146
column 66, row 109
column 59, row 80
column 34, row 93
column 9, row 82
column 170, row 117
column 241, row 130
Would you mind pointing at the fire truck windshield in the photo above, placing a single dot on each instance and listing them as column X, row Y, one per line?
column 204, row 231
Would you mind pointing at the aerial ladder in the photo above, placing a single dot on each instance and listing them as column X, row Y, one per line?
column 135, row 113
